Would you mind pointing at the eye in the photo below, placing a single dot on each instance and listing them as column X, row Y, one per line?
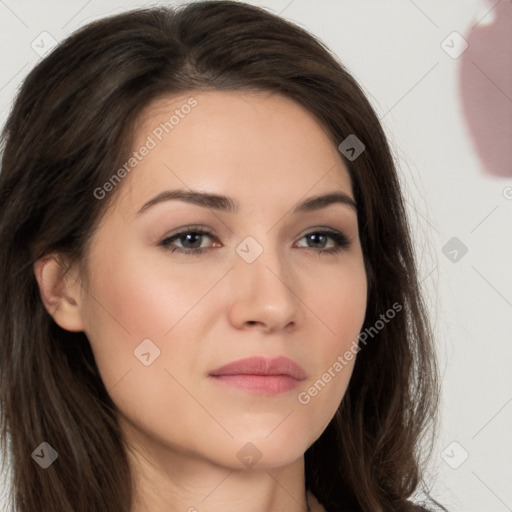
column 191, row 240
column 320, row 237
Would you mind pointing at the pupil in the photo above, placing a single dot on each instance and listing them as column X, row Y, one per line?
column 187, row 238
column 315, row 237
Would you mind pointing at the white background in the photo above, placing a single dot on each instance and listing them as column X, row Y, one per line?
column 394, row 50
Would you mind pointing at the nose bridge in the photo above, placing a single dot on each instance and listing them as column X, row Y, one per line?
column 263, row 283
column 262, row 260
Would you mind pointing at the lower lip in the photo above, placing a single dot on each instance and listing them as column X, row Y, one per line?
column 263, row 384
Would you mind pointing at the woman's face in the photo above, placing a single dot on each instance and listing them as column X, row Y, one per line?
column 263, row 282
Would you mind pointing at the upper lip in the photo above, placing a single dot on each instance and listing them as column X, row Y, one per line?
column 262, row 366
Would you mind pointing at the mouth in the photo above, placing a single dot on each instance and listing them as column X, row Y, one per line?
column 260, row 375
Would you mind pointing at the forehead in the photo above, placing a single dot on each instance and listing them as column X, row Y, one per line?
column 253, row 144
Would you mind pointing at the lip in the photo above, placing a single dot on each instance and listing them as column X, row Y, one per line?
column 260, row 374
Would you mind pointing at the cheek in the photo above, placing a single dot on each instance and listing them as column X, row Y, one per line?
column 130, row 300
column 337, row 296
column 146, row 296
column 340, row 307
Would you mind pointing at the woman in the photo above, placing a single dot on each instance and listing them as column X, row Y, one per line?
column 172, row 338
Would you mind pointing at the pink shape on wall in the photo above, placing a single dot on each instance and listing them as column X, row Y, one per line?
column 486, row 89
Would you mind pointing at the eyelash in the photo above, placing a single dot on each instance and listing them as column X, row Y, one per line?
column 339, row 239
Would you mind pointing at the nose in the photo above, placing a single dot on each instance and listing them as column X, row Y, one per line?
column 265, row 293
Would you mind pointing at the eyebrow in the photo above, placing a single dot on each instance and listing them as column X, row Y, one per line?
column 226, row 204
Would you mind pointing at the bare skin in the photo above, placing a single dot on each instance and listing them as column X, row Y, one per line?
column 183, row 429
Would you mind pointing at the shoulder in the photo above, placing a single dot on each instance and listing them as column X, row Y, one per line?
column 316, row 506
column 414, row 508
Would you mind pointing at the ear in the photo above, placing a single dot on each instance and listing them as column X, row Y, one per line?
column 60, row 293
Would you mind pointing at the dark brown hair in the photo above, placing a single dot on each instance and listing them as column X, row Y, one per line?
column 72, row 124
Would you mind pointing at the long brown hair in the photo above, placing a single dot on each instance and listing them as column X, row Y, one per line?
column 72, row 123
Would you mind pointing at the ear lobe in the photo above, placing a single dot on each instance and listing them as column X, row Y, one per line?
column 59, row 292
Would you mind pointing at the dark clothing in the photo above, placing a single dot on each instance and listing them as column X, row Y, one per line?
column 417, row 508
